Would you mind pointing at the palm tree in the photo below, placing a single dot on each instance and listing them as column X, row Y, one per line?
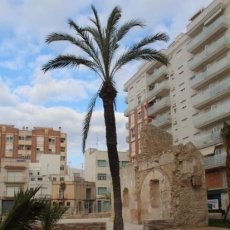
column 25, row 212
column 51, row 215
column 100, row 46
column 225, row 135
column 63, row 188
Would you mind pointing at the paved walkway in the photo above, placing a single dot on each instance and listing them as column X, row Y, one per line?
column 109, row 224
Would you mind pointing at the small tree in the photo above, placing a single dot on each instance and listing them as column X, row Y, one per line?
column 51, row 215
column 63, row 188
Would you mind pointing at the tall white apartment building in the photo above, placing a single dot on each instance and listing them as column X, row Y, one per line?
column 190, row 98
column 97, row 170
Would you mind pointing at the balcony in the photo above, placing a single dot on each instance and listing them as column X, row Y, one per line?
column 159, row 106
column 126, row 99
column 158, row 75
column 159, row 90
column 218, row 114
column 15, row 179
column 209, row 54
column 126, row 112
column 215, row 161
column 207, row 140
column 163, row 121
column 212, row 95
column 9, row 194
column 127, row 139
column 212, row 73
column 208, row 34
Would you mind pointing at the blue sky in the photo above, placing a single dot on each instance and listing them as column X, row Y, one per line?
column 59, row 98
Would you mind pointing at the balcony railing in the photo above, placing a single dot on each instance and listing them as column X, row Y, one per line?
column 9, row 193
column 211, row 95
column 218, row 114
column 160, row 89
column 126, row 112
column 210, row 53
column 162, row 121
column 159, row 106
column 157, row 75
column 212, row 73
column 215, row 161
column 218, row 26
column 210, row 139
column 17, row 179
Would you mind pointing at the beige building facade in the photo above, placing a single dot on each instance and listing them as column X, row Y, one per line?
column 189, row 99
column 97, row 170
column 79, row 194
column 14, row 175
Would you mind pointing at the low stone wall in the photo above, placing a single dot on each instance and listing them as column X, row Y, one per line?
column 77, row 226
column 157, row 224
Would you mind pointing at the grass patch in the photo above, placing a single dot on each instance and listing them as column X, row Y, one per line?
column 219, row 223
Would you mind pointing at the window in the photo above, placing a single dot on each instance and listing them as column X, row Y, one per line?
column 139, row 99
column 133, row 132
column 62, row 149
column 51, row 141
column 39, row 178
column 62, row 178
column 101, row 163
column 54, row 178
column 178, row 54
column 101, row 176
column 9, row 138
column 139, row 115
column 21, row 138
column 62, row 140
column 62, row 158
column 102, row 190
column 139, row 127
column 32, row 179
column 68, row 204
column 124, row 163
column 62, row 167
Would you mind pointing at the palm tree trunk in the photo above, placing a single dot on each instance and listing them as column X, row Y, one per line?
column 108, row 94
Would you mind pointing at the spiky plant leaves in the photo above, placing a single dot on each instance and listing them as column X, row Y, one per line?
column 26, row 210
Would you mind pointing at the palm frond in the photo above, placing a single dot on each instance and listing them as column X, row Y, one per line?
column 126, row 27
column 51, row 215
column 146, row 54
column 69, row 61
column 87, row 119
column 151, row 39
column 25, row 211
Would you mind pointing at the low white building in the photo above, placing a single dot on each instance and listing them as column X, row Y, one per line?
column 97, row 170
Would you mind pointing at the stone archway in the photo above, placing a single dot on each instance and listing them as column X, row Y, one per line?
column 155, row 196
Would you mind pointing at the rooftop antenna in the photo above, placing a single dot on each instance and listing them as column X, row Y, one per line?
column 97, row 140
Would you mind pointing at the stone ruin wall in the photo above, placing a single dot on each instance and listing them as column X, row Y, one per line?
column 168, row 182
